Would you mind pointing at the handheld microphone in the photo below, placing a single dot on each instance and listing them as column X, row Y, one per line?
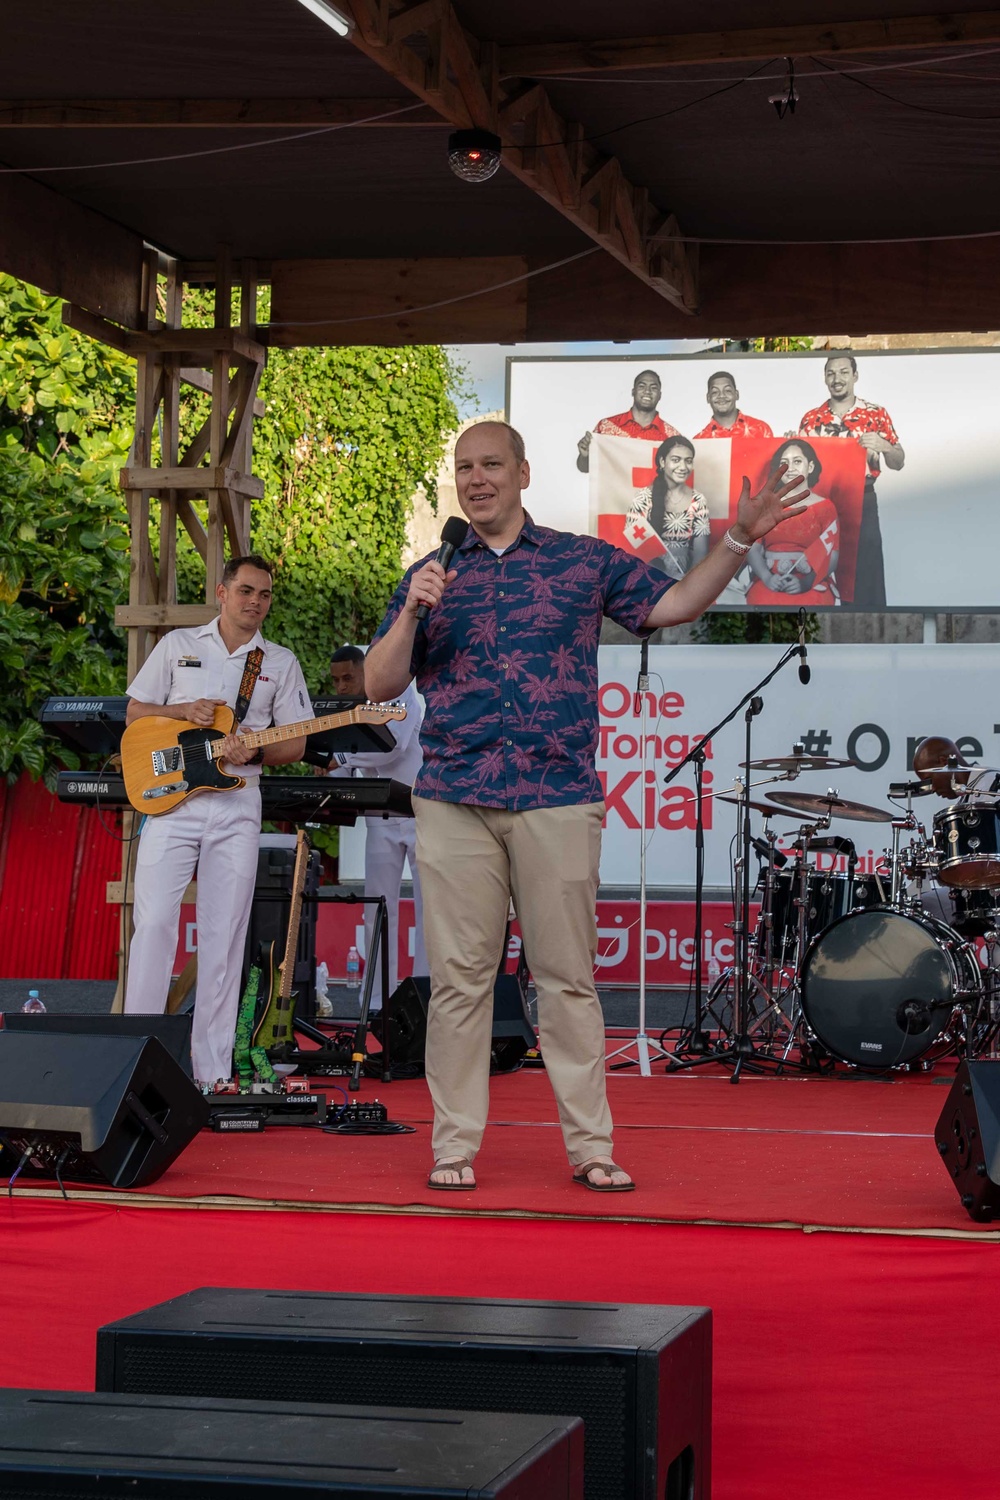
column 805, row 671
column 452, row 536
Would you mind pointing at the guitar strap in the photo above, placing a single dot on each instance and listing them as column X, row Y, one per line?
column 249, row 681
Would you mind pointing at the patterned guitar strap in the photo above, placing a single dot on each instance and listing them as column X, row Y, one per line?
column 248, row 682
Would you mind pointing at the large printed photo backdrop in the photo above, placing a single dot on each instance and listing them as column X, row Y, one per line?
column 917, row 449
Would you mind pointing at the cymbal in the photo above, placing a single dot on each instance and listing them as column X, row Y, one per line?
column 795, row 763
column 960, row 773
column 761, row 807
column 830, row 806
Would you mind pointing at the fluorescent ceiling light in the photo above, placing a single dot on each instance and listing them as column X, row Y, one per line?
column 335, row 19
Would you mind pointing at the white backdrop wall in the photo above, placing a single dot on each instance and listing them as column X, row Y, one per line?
column 867, row 703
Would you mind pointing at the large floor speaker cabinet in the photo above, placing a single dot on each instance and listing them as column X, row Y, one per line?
column 968, row 1138
column 71, row 1445
column 640, row 1377
column 108, row 1109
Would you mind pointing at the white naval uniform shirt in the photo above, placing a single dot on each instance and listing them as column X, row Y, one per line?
column 401, row 764
column 195, row 663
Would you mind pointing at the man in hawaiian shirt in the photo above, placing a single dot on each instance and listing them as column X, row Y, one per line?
column 507, row 801
column 727, row 419
column 642, row 420
column 848, row 416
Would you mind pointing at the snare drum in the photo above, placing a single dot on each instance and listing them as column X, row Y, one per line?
column 878, row 987
column 968, row 842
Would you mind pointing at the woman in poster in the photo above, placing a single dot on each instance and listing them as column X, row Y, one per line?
column 798, row 559
column 677, row 513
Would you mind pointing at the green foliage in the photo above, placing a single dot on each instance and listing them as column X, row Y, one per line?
column 752, row 627
column 348, row 437
column 65, row 415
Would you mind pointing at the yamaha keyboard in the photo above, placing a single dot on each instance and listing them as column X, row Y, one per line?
column 94, row 726
column 284, row 799
column 91, row 726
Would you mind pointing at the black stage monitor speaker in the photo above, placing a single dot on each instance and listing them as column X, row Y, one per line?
column 513, row 1033
column 108, row 1109
column 173, row 1031
column 640, row 1377
column 74, row 1445
column 968, row 1138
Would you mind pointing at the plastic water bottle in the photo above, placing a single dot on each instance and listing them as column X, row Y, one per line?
column 324, row 1005
column 353, row 968
column 33, row 1005
column 713, row 971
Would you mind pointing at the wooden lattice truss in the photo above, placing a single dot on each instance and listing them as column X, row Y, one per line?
column 163, row 478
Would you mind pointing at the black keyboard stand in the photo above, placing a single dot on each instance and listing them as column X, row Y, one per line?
column 323, row 1055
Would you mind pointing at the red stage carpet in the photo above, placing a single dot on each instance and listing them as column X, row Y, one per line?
column 845, row 1152
column 846, row 1365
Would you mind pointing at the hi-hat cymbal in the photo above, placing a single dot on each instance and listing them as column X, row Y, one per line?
column 761, row 807
column 795, row 763
column 830, row 806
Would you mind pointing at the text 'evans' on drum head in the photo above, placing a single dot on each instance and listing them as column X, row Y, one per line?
column 879, row 986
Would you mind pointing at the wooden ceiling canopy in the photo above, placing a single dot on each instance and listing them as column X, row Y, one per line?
column 750, row 44
column 649, row 168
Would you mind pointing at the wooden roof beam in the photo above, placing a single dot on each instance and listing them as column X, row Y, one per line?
column 902, row 33
column 105, row 114
column 457, row 75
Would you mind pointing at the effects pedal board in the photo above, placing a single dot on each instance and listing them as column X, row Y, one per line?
column 237, row 1113
column 360, row 1112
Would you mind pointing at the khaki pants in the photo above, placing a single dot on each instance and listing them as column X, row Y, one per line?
column 472, row 860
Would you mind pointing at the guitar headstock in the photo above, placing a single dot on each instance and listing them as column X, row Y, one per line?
column 380, row 713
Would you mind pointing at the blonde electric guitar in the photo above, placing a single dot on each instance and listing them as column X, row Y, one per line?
column 165, row 761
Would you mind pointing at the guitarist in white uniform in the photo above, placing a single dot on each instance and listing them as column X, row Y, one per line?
column 187, row 675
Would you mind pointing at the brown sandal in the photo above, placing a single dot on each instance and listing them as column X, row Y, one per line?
column 457, row 1165
column 609, row 1168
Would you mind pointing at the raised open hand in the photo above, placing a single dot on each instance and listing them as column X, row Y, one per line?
column 758, row 514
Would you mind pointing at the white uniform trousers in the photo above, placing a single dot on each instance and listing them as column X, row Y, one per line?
column 389, row 842
column 218, row 834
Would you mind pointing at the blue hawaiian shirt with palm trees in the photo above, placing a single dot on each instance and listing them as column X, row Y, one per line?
column 507, row 665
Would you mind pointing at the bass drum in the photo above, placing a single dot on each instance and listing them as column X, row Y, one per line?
column 878, row 987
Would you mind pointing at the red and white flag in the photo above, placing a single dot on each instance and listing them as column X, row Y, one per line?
column 639, row 537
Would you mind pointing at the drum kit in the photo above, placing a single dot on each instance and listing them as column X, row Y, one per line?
column 876, row 968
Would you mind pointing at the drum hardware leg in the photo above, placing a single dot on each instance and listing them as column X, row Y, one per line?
column 740, row 1049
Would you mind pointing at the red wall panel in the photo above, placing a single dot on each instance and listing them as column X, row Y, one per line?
column 55, row 861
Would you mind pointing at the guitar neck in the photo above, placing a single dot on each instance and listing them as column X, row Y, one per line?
column 277, row 733
column 294, row 916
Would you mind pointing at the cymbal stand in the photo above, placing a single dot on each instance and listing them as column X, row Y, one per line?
column 908, row 823
column 796, row 1020
column 739, row 1050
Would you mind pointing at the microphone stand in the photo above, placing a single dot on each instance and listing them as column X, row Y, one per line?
column 642, row 1043
column 740, row 1049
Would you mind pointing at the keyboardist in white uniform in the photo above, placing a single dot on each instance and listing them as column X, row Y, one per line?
column 389, row 842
